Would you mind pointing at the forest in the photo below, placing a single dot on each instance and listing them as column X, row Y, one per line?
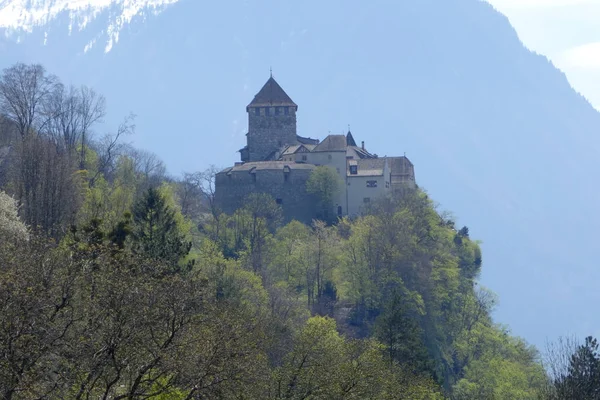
column 119, row 281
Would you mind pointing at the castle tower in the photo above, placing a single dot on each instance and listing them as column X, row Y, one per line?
column 271, row 123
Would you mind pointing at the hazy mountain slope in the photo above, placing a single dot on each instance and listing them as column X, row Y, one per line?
column 496, row 133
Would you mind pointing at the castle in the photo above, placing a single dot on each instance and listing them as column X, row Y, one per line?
column 277, row 161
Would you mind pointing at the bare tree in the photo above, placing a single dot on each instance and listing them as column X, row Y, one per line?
column 149, row 165
column 8, row 132
column 92, row 108
column 110, row 147
column 197, row 192
column 23, row 91
column 558, row 356
column 573, row 369
column 69, row 115
column 62, row 117
column 44, row 183
column 190, row 195
column 207, row 185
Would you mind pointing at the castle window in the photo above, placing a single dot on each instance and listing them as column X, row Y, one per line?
column 339, row 211
column 367, row 200
column 387, row 185
column 329, row 157
column 277, row 110
column 371, row 184
column 267, row 110
column 257, row 111
column 304, row 158
column 279, row 201
column 353, row 169
column 286, row 110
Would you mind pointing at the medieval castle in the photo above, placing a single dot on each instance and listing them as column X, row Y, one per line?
column 277, row 161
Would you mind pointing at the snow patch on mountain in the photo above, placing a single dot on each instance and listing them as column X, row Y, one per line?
column 18, row 16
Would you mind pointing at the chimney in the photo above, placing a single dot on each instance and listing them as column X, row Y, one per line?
column 363, row 144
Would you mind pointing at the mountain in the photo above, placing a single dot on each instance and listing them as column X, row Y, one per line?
column 496, row 133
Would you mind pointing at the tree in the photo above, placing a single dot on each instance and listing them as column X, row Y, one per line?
column 264, row 218
column 398, row 329
column 11, row 227
column 325, row 184
column 287, row 254
column 197, row 193
column 92, row 109
column 149, row 167
column 24, row 89
column 37, row 288
column 44, row 181
column 155, row 231
column 110, row 148
column 323, row 365
column 574, row 369
column 323, row 257
column 499, row 367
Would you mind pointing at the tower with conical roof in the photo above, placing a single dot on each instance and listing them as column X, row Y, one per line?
column 271, row 123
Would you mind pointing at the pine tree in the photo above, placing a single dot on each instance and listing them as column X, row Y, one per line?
column 155, row 232
column 583, row 379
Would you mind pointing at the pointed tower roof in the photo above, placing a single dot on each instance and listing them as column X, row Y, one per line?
column 350, row 139
column 272, row 94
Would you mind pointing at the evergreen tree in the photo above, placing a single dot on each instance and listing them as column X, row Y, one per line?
column 583, row 379
column 155, row 232
column 398, row 329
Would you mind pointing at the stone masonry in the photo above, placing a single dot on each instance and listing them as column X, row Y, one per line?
column 278, row 162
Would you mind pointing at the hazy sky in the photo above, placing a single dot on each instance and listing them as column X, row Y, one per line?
column 567, row 31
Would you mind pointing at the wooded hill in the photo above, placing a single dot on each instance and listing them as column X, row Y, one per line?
column 118, row 281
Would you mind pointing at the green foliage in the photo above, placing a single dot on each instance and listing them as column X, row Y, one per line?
column 581, row 377
column 322, row 365
column 397, row 284
column 384, row 306
column 398, row 329
column 109, row 201
column 288, row 255
column 505, row 367
column 156, row 232
column 325, row 184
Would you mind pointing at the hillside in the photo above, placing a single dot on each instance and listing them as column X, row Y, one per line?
column 495, row 132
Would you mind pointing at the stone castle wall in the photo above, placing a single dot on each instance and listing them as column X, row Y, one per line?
column 269, row 129
column 233, row 187
column 403, row 174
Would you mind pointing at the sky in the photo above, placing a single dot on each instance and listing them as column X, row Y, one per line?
column 567, row 32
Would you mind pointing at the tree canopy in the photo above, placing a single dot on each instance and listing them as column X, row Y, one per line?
column 325, row 184
column 118, row 281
